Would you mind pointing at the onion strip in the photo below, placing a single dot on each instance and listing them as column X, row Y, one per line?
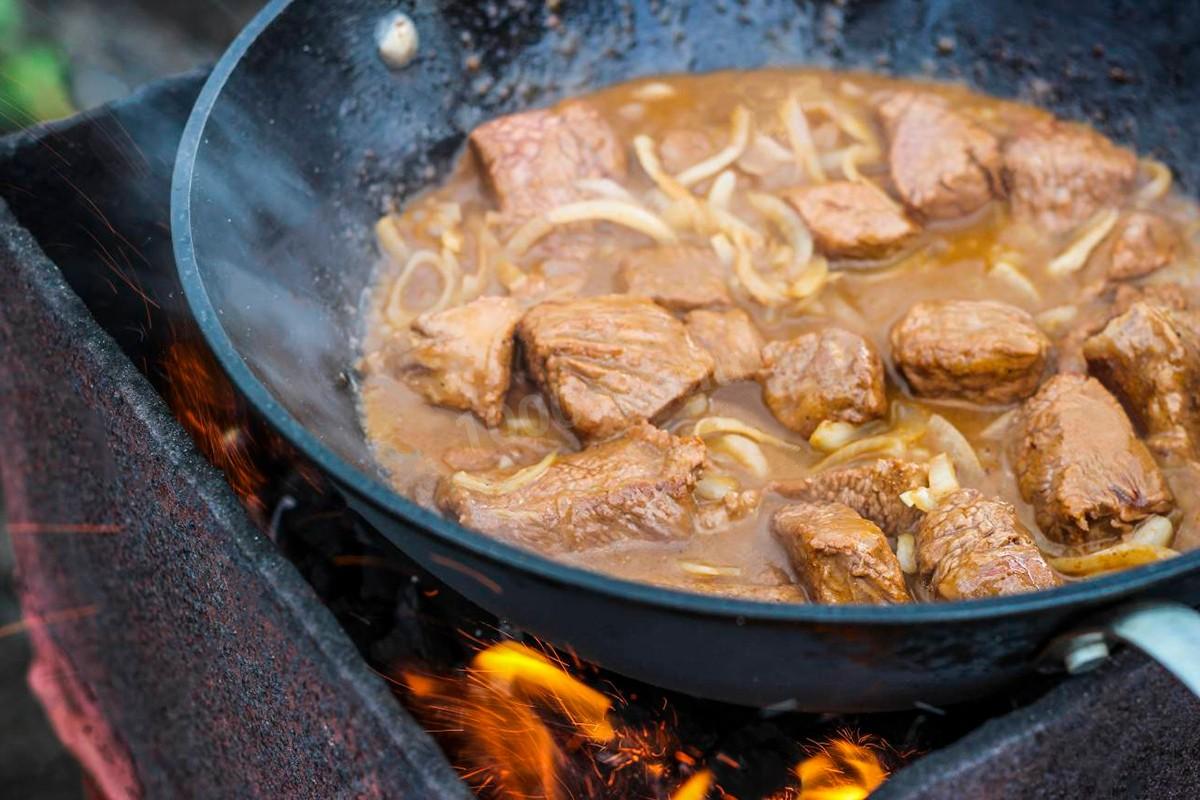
column 1119, row 556
column 711, row 426
column 739, row 137
column 1160, row 181
column 615, row 211
column 1077, row 252
column 804, row 150
column 396, row 312
column 518, row 480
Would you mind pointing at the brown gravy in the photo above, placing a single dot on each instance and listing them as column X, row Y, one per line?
column 956, row 259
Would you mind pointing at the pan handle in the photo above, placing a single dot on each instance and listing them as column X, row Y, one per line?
column 1167, row 632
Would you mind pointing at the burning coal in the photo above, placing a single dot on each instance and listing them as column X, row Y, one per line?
column 519, row 724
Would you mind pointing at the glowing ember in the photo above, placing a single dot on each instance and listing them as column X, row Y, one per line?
column 520, row 725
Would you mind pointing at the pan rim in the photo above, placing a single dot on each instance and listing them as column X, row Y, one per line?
column 1091, row 592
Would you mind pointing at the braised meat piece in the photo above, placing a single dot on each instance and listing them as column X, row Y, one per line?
column 1149, row 358
column 1143, row 243
column 831, row 375
column 1114, row 301
column 1058, row 174
column 610, row 361
column 636, row 487
column 852, row 220
column 838, row 556
column 971, row 547
column 680, row 278
column 462, row 357
column 1080, row 465
column 872, row 490
column 943, row 165
column 531, row 161
column 978, row 350
column 732, row 340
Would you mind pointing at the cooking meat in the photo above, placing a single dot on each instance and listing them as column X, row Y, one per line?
column 637, row 290
column 531, row 161
column 873, row 490
column 1143, row 243
column 610, row 361
column 852, row 220
column 830, row 375
column 1058, row 174
column 636, row 487
column 1080, row 465
column 462, row 357
column 1149, row 358
column 971, row 547
column 838, row 556
column 677, row 277
column 943, row 165
column 1112, row 303
column 732, row 340
column 978, row 350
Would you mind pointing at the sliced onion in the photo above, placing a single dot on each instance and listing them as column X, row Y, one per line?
column 647, row 155
column 604, row 187
column 387, row 233
column 655, row 90
column 715, row 487
column 745, row 451
column 1080, row 249
column 804, row 150
column 518, row 480
column 1119, row 556
column 722, row 190
column 739, row 136
column 944, row 436
column 615, row 211
column 830, row 435
column 709, row 570
column 942, row 478
column 1016, row 279
column 397, row 314
column 921, row 498
column 906, row 553
column 1156, row 531
column 1160, row 181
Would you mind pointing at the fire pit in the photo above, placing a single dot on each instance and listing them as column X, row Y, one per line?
column 237, row 632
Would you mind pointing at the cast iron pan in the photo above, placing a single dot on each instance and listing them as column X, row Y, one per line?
column 302, row 132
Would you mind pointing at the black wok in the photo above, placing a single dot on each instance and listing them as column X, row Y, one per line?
column 302, row 132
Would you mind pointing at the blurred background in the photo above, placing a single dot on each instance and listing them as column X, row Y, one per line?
column 58, row 57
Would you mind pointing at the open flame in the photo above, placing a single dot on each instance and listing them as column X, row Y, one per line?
column 522, row 726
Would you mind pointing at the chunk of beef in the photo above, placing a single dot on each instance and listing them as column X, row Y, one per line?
column 978, row 350
column 1149, row 358
column 636, row 487
column 838, row 556
column 1112, row 303
column 531, row 161
column 462, row 357
column 1143, row 243
column 852, row 220
column 1080, row 465
column 677, row 277
column 1058, row 174
column 971, row 547
column 610, row 361
column 872, row 490
column 831, row 375
column 943, row 165
column 733, row 341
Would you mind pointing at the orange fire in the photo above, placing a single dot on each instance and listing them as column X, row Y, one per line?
column 205, row 402
column 522, row 726
column 840, row 770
